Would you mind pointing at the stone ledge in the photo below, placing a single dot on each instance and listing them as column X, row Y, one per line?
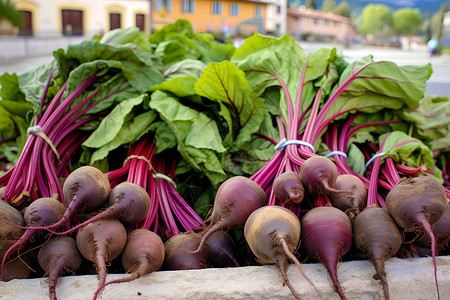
column 409, row 279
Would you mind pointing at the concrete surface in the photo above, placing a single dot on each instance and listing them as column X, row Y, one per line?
column 409, row 279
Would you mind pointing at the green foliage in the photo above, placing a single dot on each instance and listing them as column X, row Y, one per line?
column 10, row 13
column 407, row 21
column 343, row 9
column 376, row 19
column 328, row 5
column 310, row 4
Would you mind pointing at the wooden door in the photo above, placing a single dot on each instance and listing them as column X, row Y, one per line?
column 27, row 28
column 114, row 21
column 72, row 22
column 140, row 22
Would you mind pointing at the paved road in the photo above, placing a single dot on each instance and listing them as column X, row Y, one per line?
column 438, row 84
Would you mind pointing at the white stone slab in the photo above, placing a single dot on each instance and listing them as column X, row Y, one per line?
column 409, row 279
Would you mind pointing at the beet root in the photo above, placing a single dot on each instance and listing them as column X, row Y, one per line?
column 57, row 256
column 100, row 242
column 377, row 236
column 180, row 254
column 143, row 254
column 223, row 250
column 318, row 175
column 128, row 202
column 353, row 202
column 326, row 236
column 9, row 234
column 288, row 188
column 441, row 231
column 273, row 235
column 416, row 204
column 40, row 213
column 235, row 200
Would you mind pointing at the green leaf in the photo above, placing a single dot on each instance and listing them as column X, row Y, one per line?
column 9, row 88
column 356, row 160
column 111, row 125
column 179, row 86
column 430, row 120
column 198, row 138
column 130, row 132
column 184, row 68
column 124, row 36
column 408, row 151
column 269, row 61
column 242, row 109
column 368, row 86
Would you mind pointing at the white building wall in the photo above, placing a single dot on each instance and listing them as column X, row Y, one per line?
column 276, row 18
column 48, row 20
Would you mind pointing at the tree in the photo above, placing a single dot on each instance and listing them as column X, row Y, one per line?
column 437, row 21
column 10, row 13
column 343, row 9
column 407, row 21
column 328, row 5
column 311, row 4
column 376, row 19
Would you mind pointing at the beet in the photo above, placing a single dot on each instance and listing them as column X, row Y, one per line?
column 273, row 234
column 318, row 175
column 288, row 188
column 235, row 200
column 128, row 202
column 143, row 254
column 180, row 254
column 441, row 231
column 223, row 250
column 100, row 242
column 57, row 256
column 353, row 202
column 40, row 213
column 327, row 236
column 377, row 236
column 416, row 204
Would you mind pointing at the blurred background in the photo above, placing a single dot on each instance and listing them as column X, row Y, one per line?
column 404, row 31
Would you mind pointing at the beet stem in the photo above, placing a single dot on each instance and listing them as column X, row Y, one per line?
column 299, row 266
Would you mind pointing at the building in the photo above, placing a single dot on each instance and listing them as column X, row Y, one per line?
column 235, row 17
column 45, row 18
column 309, row 24
column 276, row 17
column 445, row 39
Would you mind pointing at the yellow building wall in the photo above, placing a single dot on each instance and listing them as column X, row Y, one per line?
column 203, row 19
column 31, row 7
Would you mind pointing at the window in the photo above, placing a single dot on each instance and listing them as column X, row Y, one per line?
column 188, row 6
column 140, row 22
column 160, row 3
column 72, row 22
column 258, row 11
column 114, row 21
column 217, row 8
column 27, row 28
column 234, row 9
